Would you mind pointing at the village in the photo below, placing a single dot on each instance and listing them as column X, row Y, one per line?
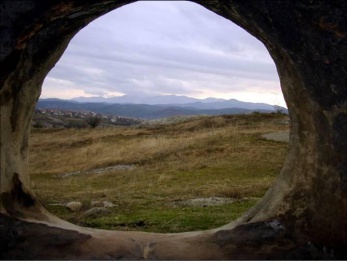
column 59, row 118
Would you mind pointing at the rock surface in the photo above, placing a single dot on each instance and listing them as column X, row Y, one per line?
column 74, row 206
column 304, row 213
column 118, row 167
column 204, row 202
column 96, row 212
column 96, row 203
column 108, row 204
column 282, row 136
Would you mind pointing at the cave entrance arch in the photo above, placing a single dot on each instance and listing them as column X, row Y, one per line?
column 303, row 215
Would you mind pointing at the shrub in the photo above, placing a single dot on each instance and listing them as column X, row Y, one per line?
column 93, row 121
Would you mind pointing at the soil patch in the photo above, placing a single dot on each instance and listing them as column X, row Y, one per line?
column 282, row 136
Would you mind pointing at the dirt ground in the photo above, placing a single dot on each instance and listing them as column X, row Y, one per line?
column 282, row 136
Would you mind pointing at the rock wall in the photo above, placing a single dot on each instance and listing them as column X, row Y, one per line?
column 302, row 216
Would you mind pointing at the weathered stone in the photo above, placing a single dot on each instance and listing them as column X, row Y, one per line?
column 105, row 203
column 307, row 41
column 96, row 212
column 108, row 204
column 74, row 206
column 282, row 136
column 96, row 203
column 204, row 202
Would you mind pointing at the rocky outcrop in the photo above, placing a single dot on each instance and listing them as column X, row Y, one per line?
column 302, row 216
column 96, row 212
column 74, row 206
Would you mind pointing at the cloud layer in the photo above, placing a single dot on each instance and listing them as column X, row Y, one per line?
column 165, row 48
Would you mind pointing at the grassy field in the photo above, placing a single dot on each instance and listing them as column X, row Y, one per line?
column 222, row 156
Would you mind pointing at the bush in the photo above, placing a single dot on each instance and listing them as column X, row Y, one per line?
column 93, row 121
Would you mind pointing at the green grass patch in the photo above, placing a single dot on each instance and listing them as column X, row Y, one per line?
column 166, row 219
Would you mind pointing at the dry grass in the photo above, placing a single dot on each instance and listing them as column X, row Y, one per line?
column 204, row 157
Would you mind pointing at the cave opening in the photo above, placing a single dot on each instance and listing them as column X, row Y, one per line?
column 186, row 167
column 302, row 215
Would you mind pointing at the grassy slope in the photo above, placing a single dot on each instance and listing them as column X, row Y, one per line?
column 206, row 157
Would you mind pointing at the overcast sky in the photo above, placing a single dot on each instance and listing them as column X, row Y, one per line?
column 160, row 48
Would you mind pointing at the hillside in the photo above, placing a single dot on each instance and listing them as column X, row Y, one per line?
column 146, row 111
column 187, row 175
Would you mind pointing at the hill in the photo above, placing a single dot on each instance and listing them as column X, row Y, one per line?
column 147, row 111
column 174, row 100
column 158, row 177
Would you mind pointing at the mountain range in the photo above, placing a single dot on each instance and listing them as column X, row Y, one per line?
column 154, row 107
column 182, row 101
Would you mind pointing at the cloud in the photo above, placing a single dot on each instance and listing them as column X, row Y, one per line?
column 165, row 48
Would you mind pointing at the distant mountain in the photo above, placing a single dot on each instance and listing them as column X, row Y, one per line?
column 145, row 99
column 229, row 104
column 180, row 101
column 142, row 111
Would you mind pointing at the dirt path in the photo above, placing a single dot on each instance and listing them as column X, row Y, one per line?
column 282, row 136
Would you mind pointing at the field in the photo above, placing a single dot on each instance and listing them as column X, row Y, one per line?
column 157, row 169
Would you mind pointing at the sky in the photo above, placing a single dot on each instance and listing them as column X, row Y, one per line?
column 163, row 48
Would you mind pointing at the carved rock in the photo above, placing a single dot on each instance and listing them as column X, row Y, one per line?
column 302, row 214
